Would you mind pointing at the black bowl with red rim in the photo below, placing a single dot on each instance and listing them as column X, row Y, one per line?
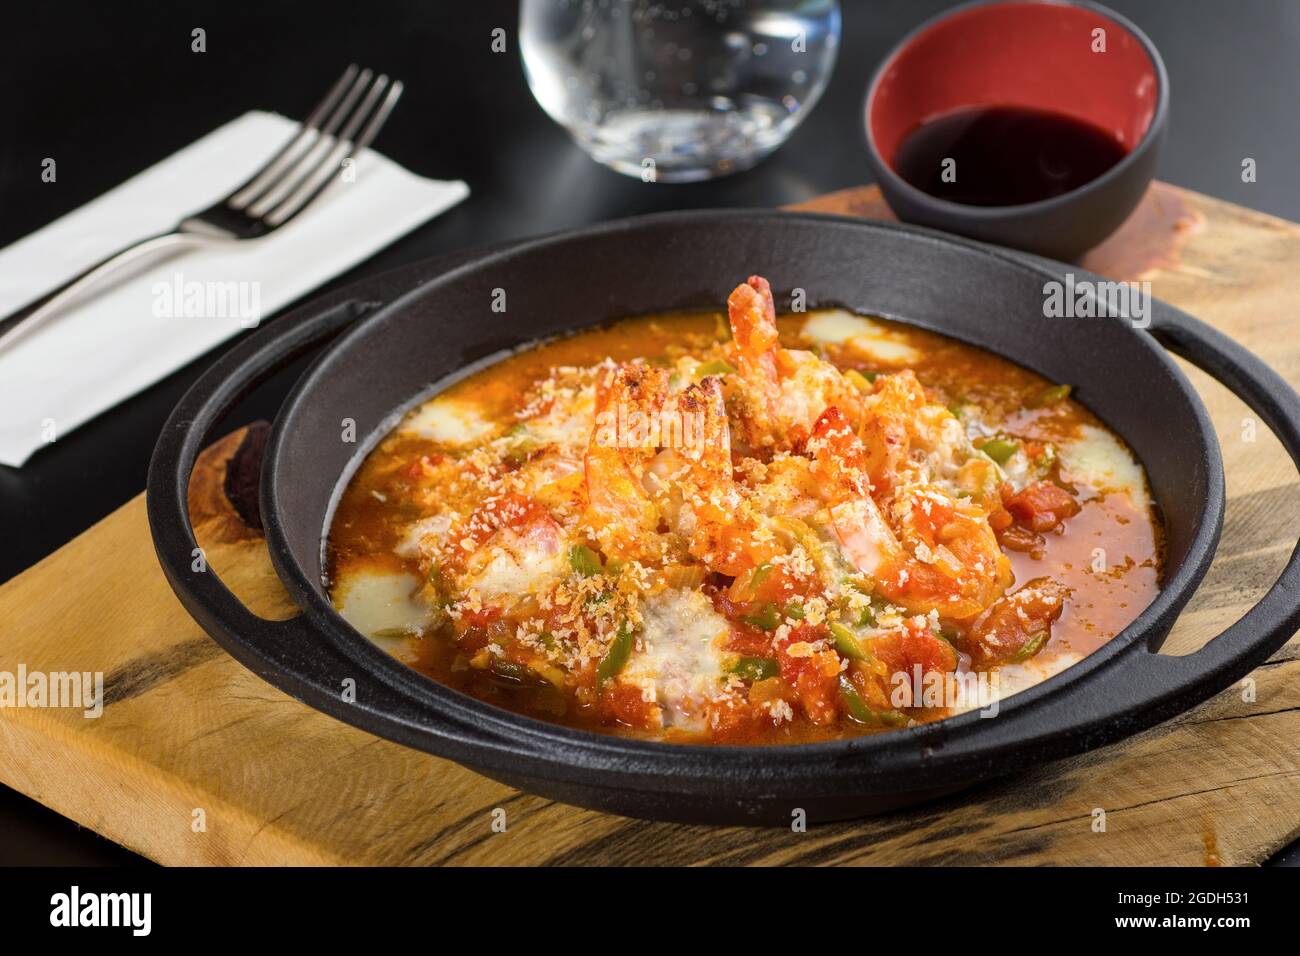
column 1074, row 60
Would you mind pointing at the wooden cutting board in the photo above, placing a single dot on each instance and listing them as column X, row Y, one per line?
column 196, row 761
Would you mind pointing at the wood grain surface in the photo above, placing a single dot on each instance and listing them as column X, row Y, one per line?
column 196, row 761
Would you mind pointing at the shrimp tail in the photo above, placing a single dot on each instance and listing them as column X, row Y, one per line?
column 701, row 411
column 620, row 511
column 753, row 317
column 839, row 462
column 839, row 457
column 754, row 348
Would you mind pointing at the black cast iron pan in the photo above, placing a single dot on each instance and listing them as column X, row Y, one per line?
column 387, row 356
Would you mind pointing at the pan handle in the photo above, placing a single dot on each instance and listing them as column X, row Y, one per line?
column 266, row 647
column 1152, row 687
column 1272, row 622
column 288, row 654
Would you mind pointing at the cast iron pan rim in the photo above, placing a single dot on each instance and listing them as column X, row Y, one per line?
column 781, row 761
column 1173, row 595
column 998, row 213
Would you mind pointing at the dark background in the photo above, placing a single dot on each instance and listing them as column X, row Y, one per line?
column 107, row 89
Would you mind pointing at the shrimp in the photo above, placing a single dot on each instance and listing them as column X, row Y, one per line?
column 887, row 434
column 507, row 546
column 691, row 481
column 1016, row 626
column 658, row 460
column 959, row 568
column 705, row 435
column 752, row 314
column 724, row 528
column 783, row 390
column 939, row 554
column 620, row 511
column 840, row 463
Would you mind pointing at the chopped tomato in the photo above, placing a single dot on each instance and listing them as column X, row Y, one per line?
column 917, row 585
column 481, row 617
column 769, row 583
column 731, row 549
column 1042, row 506
column 736, row 721
column 930, row 514
column 920, row 586
column 749, row 641
column 810, row 674
column 1000, row 519
column 734, row 611
column 477, row 629
column 521, row 514
column 1019, row 538
column 902, row 651
column 625, row 704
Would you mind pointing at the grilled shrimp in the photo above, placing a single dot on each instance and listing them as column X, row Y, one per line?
column 937, row 554
column 722, row 525
column 752, row 315
column 620, row 511
column 783, row 390
column 660, row 460
column 887, row 433
column 840, row 463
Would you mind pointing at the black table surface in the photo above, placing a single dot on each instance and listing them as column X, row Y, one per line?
column 109, row 89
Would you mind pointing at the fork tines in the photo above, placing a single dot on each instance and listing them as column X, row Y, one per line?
column 305, row 166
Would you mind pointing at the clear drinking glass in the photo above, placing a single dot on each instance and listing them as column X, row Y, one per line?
column 678, row 91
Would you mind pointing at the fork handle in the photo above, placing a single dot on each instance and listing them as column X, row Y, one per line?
column 26, row 319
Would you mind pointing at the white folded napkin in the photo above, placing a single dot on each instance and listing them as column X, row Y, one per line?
column 123, row 337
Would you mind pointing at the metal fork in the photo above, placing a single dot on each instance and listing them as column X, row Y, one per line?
column 286, row 185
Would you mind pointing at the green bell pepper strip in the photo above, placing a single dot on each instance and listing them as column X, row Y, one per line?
column 616, row 657
column 846, row 642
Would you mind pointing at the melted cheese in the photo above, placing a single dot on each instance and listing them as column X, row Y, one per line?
column 1097, row 458
column 1011, row 679
column 869, row 339
column 433, row 528
column 566, row 423
column 884, row 350
column 836, row 326
column 449, row 421
column 376, row 601
column 679, row 666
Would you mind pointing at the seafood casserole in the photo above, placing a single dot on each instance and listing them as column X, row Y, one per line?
column 748, row 529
